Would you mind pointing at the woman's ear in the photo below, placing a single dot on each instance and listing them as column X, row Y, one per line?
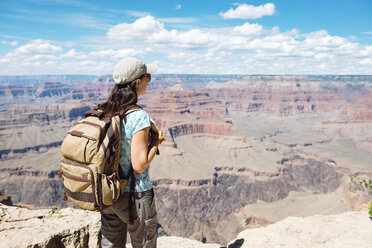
column 138, row 81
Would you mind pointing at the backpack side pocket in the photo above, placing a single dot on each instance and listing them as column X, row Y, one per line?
column 79, row 183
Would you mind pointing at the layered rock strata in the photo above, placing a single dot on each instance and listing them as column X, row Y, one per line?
column 202, row 208
column 272, row 119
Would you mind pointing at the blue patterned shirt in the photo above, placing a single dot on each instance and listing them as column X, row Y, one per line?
column 136, row 121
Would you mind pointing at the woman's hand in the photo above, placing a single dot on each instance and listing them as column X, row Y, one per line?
column 156, row 132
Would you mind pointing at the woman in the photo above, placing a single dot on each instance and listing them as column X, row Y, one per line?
column 138, row 148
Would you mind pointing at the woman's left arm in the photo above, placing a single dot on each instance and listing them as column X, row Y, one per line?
column 141, row 153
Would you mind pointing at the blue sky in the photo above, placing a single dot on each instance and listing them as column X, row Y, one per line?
column 213, row 37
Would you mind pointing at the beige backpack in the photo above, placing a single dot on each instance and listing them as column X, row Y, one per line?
column 90, row 164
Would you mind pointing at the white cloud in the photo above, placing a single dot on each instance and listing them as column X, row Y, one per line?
column 324, row 56
column 247, row 48
column 178, row 6
column 137, row 13
column 39, row 57
column 71, row 54
column 367, row 61
column 176, row 56
column 248, row 29
column 367, row 50
column 322, row 39
column 37, row 47
column 141, row 28
column 11, row 43
column 245, row 11
column 188, row 39
column 116, row 54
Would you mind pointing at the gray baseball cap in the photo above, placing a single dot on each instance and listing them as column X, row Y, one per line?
column 129, row 69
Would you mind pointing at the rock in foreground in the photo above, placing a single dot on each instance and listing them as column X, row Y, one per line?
column 67, row 227
column 350, row 229
column 20, row 227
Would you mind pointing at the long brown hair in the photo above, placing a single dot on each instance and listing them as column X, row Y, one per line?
column 121, row 99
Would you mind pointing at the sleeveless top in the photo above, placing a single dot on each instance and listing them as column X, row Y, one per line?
column 136, row 121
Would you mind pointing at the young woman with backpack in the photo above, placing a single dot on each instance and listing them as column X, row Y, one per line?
column 134, row 211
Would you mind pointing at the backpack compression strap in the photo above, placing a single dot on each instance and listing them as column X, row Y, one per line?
column 131, row 176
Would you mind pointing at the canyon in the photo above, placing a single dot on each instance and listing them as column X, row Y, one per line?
column 240, row 151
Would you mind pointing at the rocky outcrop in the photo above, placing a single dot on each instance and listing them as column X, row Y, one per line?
column 350, row 229
column 79, row 228
column 66, row 227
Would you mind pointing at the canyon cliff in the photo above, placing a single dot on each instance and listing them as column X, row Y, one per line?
column 240, row 152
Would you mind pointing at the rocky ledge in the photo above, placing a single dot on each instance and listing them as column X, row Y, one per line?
column 68, row 227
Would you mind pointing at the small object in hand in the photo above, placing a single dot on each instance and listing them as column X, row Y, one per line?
column 161, row 138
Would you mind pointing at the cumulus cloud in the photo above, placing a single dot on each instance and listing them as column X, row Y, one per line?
column 187, row 39
column 38, row 46
column 367, row 50
column 321, row 39
column 72, row 54
column 141, row 28
column 150, row 30
column 248, row 29
column 367, row 61
column 245, row 11
column 247, row 48
column 11, row 43
column 115, row 54
column 178, row 6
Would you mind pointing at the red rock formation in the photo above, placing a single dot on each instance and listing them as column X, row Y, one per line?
column 360, row 110
column 15, row 90
column 363, row 109
column 277, row 101
column 50, row 89
column 187, row 112
column 204, row 128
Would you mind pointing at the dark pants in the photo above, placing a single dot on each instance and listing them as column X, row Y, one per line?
column 115, row 222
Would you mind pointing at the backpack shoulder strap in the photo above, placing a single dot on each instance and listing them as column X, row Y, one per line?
column 95, row 112
column 134, row 109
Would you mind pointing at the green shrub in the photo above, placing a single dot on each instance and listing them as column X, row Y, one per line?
column 367, row 184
